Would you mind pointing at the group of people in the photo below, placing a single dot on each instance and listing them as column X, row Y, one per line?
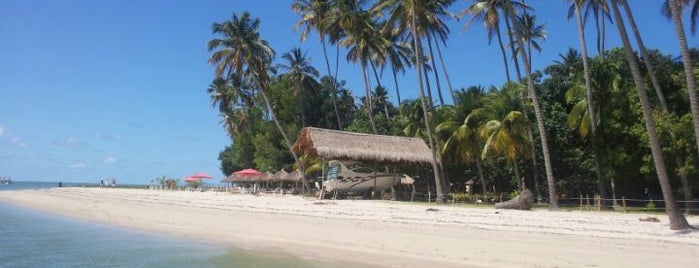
column 107, row 183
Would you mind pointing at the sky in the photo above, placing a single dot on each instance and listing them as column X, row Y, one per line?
column 93, row 89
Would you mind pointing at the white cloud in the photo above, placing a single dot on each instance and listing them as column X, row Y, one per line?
column 2, row 130
column 77, row 165
column 17, row 141
column 110, row 159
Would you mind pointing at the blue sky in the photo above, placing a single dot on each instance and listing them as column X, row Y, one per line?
column 92, row 89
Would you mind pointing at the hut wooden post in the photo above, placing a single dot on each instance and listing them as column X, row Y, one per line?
column 412, row 195
column 581, row 202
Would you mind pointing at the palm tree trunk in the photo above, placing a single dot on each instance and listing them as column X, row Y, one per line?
column 436, row 72
column 686, row 190
column 504, row 54
column 479, row 166
column 370, row 110
column 589, row 94
column 395, row 82
column 518, row 177
column 553, row 199
column 512, row 47
column 444, row 67
column 677, row 220
column 535, row 166
column 688, row 66
column 334, row 84
column 441, row 196
column 646, row 57
column 429, row 88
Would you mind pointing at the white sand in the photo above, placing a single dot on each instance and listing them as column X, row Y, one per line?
column 395, row 234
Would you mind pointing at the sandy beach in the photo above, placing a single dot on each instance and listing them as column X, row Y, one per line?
column 382, row 233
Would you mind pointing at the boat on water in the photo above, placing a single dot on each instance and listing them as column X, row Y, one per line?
column 357, row 179
column 5, row 180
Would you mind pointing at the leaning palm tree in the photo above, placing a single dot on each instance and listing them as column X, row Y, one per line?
column 314, row 14
column 689, row 75
column 677, row 220
column 553, row 199
column 302, row 74
column 242, row 53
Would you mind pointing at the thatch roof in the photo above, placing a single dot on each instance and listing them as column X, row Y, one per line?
column 343, row 145
column 294, row 176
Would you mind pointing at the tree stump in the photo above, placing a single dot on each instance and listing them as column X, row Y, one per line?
column 523, row 201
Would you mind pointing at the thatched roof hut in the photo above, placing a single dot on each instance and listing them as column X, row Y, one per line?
column 294, row 176
column 343, row 145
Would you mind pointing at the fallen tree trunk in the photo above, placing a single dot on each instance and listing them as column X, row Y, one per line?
column 523, row 201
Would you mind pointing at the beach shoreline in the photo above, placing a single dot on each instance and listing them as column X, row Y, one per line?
column 380, row 233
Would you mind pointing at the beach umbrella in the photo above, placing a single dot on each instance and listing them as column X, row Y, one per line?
column 247, row 173
column 201, row 175
column 190, row 178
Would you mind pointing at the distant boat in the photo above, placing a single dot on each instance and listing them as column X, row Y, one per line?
column 358, row 179
column 6, row 180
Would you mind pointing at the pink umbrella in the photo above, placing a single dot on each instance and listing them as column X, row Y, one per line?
column 190, row 178
column 201, row 175
column 248, row 173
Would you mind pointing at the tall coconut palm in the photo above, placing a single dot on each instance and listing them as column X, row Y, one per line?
column 526, row 27
column 553, row 199
column 362, row 42
column 302, row 75
column 694, row 14
column 645, row 56
column 314, row 14
column 689, row 75
column 440, row 183
column 677, row 220
column 431, row 15
column 486, row 11
column 600, row 13
column 590, row 101
column 241, row 52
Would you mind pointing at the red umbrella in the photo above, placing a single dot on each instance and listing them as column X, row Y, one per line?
column 201, row 175
column 248, row 173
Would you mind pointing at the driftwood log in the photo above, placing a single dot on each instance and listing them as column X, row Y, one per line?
column 523, row 201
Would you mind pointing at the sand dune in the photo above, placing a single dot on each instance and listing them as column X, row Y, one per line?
column 394, row 234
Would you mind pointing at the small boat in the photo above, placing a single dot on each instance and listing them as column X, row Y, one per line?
column 358, row 179
column 6, row 180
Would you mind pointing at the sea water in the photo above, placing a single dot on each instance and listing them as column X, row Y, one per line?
column 31, row 238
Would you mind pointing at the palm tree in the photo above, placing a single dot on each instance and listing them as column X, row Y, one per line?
column 440, row 183
column 381, row 100
column 314, row 14
column 677, row 220
column 694, row 14
column 553, row 199
column 302, row 74
column 487, row 12
column 464, row 140
column 645, row 56
column 689, row 75
column 507, row 137
column 242, row 53
column 431, row 15
column 530, row 32
column 592, row 118
column 600, row 12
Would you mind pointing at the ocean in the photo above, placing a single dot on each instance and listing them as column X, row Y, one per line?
column 31, row 238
